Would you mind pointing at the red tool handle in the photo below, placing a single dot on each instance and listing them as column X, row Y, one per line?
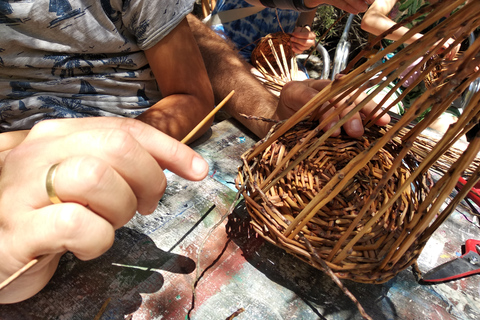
column 474, row 194
column 470, row 245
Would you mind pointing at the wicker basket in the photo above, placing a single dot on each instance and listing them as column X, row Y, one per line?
column 274, row 49
column 275, row 60
column 366, row 207
column 274, row 211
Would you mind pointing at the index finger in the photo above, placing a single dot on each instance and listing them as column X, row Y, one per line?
column 168, row 152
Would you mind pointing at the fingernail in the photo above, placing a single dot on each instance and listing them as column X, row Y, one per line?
column 152, row 209
column 330, row 125
column 199, row 165
column 356, row 125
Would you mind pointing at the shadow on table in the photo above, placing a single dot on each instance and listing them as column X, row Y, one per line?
column 78, row 289
column 313, row 286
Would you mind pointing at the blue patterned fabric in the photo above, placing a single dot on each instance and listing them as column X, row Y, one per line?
column 79, row 58
column 247, row 31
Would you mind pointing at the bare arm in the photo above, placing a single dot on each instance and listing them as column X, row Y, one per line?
column 227, row 72
column 183, row 81
column 376, row 21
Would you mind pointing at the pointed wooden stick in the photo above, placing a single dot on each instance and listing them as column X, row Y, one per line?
column 208, row 117
column 17, row 274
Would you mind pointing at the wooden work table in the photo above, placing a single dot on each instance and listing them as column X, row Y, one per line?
column 151, row 269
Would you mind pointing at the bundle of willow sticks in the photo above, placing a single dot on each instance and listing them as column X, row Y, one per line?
column 366, row 207
column 275, row 60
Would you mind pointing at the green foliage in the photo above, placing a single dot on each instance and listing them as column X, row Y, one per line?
column 324, row 19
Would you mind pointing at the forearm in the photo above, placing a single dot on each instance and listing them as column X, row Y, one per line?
column 298, row 5
column 182, row 79
column 177, row 115
column 227, row 72
column 351, row 6
column 376, row 24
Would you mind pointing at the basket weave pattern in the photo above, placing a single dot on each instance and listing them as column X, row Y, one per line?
column 273, row 211
column 269, row 50
column 365, row 208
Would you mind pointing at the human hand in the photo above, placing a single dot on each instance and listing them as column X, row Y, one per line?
column 302, row 39
column 351, row 6
column 296, row 94
column 8, row 141
column 109, row 168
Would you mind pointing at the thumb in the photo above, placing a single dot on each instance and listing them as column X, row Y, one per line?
column 295, row 94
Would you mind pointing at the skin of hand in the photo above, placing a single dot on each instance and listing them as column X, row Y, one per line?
column 109, row 169
column 302, row 39
column 302, row 36
column 351, row 6
column 296, row 94
column 376, row 21
column 182, row 79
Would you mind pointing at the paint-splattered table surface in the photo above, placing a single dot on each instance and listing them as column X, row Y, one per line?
column 151, row 270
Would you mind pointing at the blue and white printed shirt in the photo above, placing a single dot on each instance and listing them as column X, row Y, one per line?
column 79, row 58
column 247, row 31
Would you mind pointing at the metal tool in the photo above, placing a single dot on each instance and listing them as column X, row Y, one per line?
column 466, row 265
column 343, row 49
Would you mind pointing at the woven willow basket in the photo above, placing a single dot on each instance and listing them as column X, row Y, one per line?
column 274, row 49
column 275, row 60
column 365, row 208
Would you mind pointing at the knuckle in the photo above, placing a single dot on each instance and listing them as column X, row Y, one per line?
column 173, row 152
column 69, row 221
column 119, row 143
column 44, row 127
column 91, row 173
column 160, row 187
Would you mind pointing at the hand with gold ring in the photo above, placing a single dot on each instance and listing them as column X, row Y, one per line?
column 70, row 183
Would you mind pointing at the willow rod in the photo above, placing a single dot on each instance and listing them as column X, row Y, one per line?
column 351, row 80
column 21, row 271
column 208, row 117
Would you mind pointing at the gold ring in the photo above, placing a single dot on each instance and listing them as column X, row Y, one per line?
column 52, row 195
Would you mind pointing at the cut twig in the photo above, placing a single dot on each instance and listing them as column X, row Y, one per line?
column 21, row 271
column 208, row 117
column 327, row 270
